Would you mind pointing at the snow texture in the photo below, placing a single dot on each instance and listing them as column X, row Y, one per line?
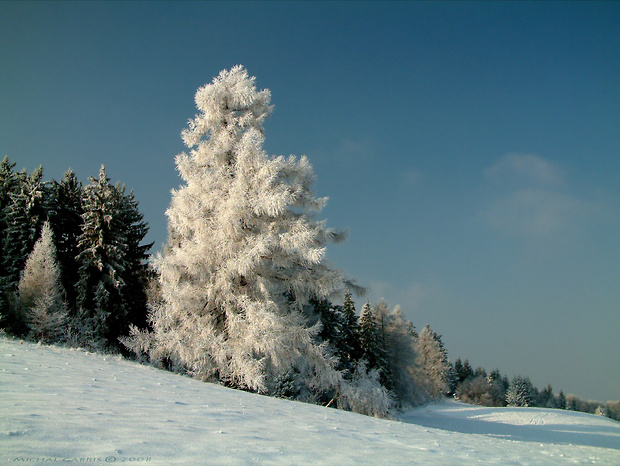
column 73, row 406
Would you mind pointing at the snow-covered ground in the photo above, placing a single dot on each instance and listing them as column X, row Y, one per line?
column 61, row 405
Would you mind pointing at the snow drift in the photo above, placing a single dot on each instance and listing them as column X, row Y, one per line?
column 61, row 405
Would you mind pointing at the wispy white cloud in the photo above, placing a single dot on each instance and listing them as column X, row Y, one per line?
column 350, row 150
column 535, row 212
column 526, row 168
column 535, row 201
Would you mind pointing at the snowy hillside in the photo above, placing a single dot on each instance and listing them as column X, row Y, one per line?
column 72, row 406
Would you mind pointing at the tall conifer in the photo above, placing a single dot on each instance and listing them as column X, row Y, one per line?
column 244, row 253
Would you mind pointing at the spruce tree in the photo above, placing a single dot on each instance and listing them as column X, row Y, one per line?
column 22, row 220
column 520, row 393
column 369, row 338
column 102, row 245
column 10, row 185
column 111, row 291
column 135, row 274
column 65, row 217
column 245, row 253
column 350, row 331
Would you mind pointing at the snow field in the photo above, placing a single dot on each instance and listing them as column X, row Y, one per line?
column 62, row 405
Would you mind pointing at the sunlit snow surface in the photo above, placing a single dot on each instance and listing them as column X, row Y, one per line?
column 72, row 406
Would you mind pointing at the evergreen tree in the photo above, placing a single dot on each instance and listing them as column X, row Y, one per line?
column 336, row 330
column 400, row 356
column 10, row 185
column 350, row 331
column 520, row 393
column 102, row 247
column 41, row 292
column 546, row 398
column 463, row 370
column 498, row 386
column 369, row 338
column 22, row 220
column 135, row 274
column 387, row 341
column 244, row 253
column 111, row 292
column 65, row 217
column 560, row 400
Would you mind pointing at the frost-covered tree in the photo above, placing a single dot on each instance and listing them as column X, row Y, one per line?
column 387, row 341
column 244, row 254
column 24, row 218
column 521, row 392
column 10, row 184
column 432, row 366
column 41, row 291
column 399, row 341
column 475, row 390
column 364, row 393
column 110, row 291
column 372, row 351
column 102, row 248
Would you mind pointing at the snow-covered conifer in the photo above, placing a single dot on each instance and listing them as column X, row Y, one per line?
column 65, row 217
column 245, row 253
column 401, row 356
column 350, row 331
column 24, row 217
column 520, row 393
column 10, row 185
column 41, row 292
column 102, row 247
column 432, row 366
column 111, row 294
column 369, row 337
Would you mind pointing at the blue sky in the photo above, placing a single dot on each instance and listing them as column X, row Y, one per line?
column 472, row 149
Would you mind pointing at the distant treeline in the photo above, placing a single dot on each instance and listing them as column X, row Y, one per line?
column 483, row 388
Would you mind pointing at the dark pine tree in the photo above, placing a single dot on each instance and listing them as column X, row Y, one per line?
column 65, row 217
column 23, row 219
column 112, row 264
column 10, row 185
column 463, row 370
column 371, row 344
column 101, row 259
column 136, row 273
column 352, row 349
